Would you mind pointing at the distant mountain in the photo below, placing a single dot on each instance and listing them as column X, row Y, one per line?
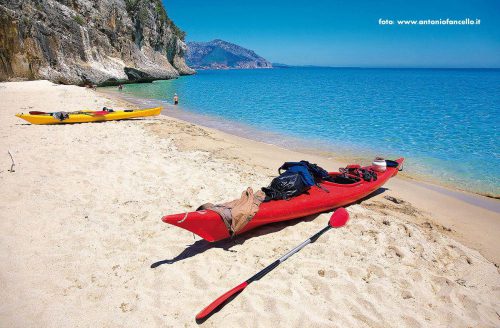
column 219, row 54
column 280, row 65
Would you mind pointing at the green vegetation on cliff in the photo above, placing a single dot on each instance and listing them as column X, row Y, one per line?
column 134, row 6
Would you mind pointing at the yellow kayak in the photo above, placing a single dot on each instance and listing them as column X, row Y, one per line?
column 86, row 116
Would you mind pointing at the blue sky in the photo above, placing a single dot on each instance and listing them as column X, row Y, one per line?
column 347, row 33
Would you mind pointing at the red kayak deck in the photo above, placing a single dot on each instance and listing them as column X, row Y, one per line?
column 209, row 225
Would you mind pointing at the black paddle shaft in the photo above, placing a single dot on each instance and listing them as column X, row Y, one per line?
column 338, row 219
column 273, row 265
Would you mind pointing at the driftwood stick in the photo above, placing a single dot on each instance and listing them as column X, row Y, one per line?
column 13, row 163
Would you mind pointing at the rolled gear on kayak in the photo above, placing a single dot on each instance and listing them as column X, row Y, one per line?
column 237, row 213
column 61, row 116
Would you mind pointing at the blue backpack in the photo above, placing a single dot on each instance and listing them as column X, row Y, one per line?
column 301, row 169
column 311, row 173
column 297, row 178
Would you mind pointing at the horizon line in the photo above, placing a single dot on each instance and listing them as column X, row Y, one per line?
column 383, row 67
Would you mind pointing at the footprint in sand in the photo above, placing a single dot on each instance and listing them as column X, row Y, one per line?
column 394, row 252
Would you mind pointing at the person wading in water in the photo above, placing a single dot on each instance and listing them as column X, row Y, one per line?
column 176, row 99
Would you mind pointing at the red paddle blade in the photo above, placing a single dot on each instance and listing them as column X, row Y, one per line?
column 35, row 112
column 220, row 301
column 339, row 218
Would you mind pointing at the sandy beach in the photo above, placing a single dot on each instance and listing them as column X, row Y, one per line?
column 80, row 221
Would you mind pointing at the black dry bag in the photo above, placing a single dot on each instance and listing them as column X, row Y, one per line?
column 287, row 185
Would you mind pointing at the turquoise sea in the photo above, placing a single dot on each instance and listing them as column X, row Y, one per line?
column 444, row 121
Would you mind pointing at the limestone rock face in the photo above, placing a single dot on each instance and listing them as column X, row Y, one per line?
column 83, row 41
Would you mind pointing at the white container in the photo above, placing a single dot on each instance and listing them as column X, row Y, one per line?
column 379, row 164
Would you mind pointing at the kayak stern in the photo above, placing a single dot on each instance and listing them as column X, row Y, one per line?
column 206, row 223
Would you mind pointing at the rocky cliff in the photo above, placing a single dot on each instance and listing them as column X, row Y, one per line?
column 219, row 54
column 89, row 41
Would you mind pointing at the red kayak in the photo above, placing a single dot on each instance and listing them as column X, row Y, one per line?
column 209, row 225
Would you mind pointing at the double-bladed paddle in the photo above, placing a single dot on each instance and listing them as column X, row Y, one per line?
column 97, row 113
column 338, row 219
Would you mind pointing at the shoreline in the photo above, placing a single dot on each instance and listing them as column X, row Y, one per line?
column 290, row 143
column 81, row 221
